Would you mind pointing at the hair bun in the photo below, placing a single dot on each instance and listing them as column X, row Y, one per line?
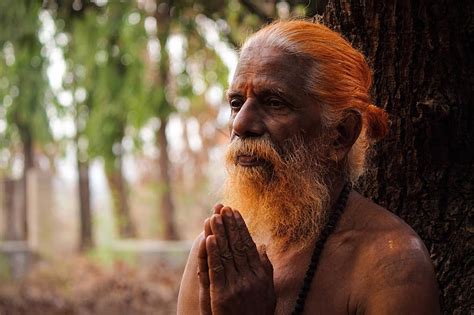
column 377, row 122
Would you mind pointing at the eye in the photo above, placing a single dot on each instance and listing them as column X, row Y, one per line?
column 236, row 103
column 275, row 103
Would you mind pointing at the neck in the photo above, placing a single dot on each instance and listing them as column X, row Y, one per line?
column 335, row 188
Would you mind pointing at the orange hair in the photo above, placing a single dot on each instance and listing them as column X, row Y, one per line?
column 340, row 81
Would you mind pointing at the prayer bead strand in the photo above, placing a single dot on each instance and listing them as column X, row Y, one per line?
column 319, row 246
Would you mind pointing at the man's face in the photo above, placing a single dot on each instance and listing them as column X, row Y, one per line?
column 267, row 98
column 276, row 159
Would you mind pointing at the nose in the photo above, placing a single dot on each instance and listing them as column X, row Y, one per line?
column 248, row 121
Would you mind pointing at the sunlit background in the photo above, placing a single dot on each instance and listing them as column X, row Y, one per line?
column 113, row 123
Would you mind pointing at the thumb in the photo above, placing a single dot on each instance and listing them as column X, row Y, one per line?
column 267, row 265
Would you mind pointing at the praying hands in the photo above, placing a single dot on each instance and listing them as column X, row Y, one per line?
column 234, row 277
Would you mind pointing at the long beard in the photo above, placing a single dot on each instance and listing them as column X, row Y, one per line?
column 285, row 200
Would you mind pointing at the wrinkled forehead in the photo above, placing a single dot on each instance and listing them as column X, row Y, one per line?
column 274, row 63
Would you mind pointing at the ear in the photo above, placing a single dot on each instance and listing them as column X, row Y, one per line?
column 347, row 133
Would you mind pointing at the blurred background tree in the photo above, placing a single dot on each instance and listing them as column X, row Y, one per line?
column 23, row 91
column 75, row 26
column 120, row 46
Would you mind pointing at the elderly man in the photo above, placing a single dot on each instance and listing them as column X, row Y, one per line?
column 301, row 240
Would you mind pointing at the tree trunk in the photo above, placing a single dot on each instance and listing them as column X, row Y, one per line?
column 163, row 16
column 86, row 239
column 167, row 206
column 28, row 163
column 119, row 193
column 12, row 203
column 423, row 171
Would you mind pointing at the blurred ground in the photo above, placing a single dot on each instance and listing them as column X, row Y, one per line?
column 80, row 286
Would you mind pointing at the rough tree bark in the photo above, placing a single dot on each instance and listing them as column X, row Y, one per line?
column 420, row 51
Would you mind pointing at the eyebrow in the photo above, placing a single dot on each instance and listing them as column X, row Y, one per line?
column 261, row 92
column 232, row 93
column 272, row 91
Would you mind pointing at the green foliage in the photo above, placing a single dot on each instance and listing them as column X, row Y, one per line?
column 22, row 76
column 26, row 75
column 19, row 17
column 105, row 58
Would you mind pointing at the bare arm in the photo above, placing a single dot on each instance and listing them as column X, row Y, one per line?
column 194, row 298
column 188, row 298
column 403, row 282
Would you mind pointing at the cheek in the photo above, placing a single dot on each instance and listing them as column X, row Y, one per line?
column 283, row 128
column 310, row 123
column 229, row 125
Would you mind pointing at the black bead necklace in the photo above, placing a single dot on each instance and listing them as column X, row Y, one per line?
column 327, row 230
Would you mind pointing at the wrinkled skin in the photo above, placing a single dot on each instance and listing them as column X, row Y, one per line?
column 231, row 270
column 373, row 263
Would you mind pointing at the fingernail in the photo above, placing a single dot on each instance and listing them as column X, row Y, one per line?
column 237, row 214
column 228, row 213
column 218, row 219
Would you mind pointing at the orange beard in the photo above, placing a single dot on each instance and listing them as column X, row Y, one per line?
column 285, row 201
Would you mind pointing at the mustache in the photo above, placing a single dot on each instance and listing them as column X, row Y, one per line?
column 261, row 148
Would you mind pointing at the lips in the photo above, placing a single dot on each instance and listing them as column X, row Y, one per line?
column 249, row 160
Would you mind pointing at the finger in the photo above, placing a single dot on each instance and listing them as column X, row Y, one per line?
column 267, row 265
column 204, row 283
column 205, row 302
column 217, row 208
column 253, row 257
column 227, row 259
column 216, row 269
column 235, row 241
column 203, row 270
column 207, row 228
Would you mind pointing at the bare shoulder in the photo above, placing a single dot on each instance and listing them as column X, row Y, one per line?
column 394, row 266
column 188, row 298
column 383, row 236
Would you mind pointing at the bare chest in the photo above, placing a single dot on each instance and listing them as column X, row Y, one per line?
column 330, row 290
